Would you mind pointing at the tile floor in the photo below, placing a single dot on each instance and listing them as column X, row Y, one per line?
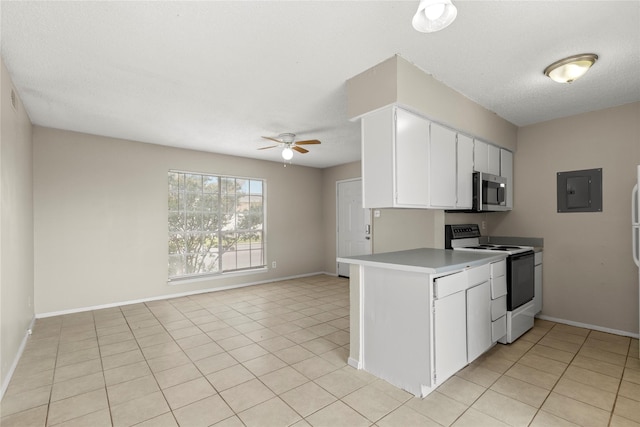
column 275, row 355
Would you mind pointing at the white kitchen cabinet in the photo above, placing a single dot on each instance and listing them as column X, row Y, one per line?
column 478, row 320
column 506, row 171
column 464, row 163
column 450, row 326
column 494, row 160
column 394, row 159
column 442, row 167
column 486, row 157
column 537, row 280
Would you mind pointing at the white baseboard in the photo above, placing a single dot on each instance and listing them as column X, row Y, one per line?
column 588, row 326
column 354, row 363
column 175, row 295
column 16, row 359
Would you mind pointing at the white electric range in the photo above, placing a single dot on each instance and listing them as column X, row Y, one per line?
column 520, row 275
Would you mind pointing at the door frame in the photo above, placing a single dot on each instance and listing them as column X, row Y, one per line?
column 338, row 182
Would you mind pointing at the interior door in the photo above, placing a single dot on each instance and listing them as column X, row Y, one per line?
column 353, row 223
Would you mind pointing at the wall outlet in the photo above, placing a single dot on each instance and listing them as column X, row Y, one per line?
column 273, row 264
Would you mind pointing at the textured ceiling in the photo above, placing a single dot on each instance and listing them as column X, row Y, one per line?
column 215, row 76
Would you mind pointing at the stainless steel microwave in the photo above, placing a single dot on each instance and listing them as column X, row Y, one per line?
column 489, row 192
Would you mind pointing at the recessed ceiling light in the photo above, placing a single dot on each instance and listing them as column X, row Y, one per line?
column 569, row 69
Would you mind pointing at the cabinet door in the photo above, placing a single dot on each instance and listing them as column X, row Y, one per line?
column 506, row 170
column 442, row 167
column 493, row 162
column 411, row 160
column 464, row 163
column 377, row 159
column 478, row 320
column 450, row 341
column 480, row 156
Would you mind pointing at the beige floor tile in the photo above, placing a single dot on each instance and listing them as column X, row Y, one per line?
column 155, row 339
column 404, row 417
column 273, row 412
column 202, row 351
column 494, row 363
column 126, row 373
column 314, row 367
column 77, row 406
column 545, row 419
column 618, row 421
column 463, row 391
column 533, row 376
column 194, row 341
column 567, row 337
column 631, row 375
column 552, row 353
column 283, row 379
column 18, row 402
column 138, row 410
column 621, row 348
column 558, row 344
column 592, row 378
column 505, row 409
column 118, row 347
column 585, row 393
column 438, row 407
column 308, row 398
column 178, row 375
column 520, row 390
column 164, row 420
column 246, row 395
column 337, row 415
column 139, row 387
column 77, row 370
column 204, row 412
column 230, row 377
column 478, row 375
column 603, row 355
column 598, row 366
column 337, row 356
column 371, row 402
column 30, row 382
column 64, row 389
column 126, row 335
column 248, row 352
column 31, row 417
column 234, row 342
column 276, row 343
column 475, row 418
column 215, row 363
column 169, row 361
column 574, row 411
column 234, row 421
column 264, row 364
column 319, row 345
column 340, row 383
column 159, row 350
column 559, row 327
column 630, row 390
column 627, row 408
column 294, row 354
column 77, row 356
column 101, row 418
column 121, row 359
column 191, row 391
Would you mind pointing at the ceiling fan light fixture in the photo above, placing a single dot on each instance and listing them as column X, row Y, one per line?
column 434, row 15
column 569, row 69
column 287, row 153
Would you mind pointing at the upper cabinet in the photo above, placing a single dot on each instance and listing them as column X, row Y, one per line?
column 409, row 161
column 506, row 170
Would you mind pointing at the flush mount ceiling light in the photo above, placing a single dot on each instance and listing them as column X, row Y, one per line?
column 569, row 69
column 434, row 15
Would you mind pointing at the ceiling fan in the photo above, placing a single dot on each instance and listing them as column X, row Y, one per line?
column 288, row 141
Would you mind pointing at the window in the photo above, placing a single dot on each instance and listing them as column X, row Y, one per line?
column 216, row 224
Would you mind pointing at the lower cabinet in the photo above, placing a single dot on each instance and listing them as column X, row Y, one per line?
column 478, row 320
column 450, row 335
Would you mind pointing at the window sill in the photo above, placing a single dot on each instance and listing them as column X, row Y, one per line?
column 215, row 276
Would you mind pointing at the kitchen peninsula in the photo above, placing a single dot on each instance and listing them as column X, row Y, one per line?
column 418, row 316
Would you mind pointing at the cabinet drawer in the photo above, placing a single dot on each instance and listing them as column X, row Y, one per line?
column 499, row 328
column 447, row 285
column 478, row 275
column 498, row 268
column 498, row 307
column 498, row 287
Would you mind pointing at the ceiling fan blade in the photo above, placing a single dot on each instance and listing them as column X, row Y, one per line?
column 272, row 139
column 264, row 148
column 309, row 141
column 299, row 149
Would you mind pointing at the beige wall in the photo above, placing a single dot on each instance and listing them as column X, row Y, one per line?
column 100, row 218
column 330, row 176
column 16, row 229
column 589, row 276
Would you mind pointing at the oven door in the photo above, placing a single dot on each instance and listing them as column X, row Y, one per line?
column 520, row 281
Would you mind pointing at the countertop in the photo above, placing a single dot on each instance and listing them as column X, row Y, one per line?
column 425, row 260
